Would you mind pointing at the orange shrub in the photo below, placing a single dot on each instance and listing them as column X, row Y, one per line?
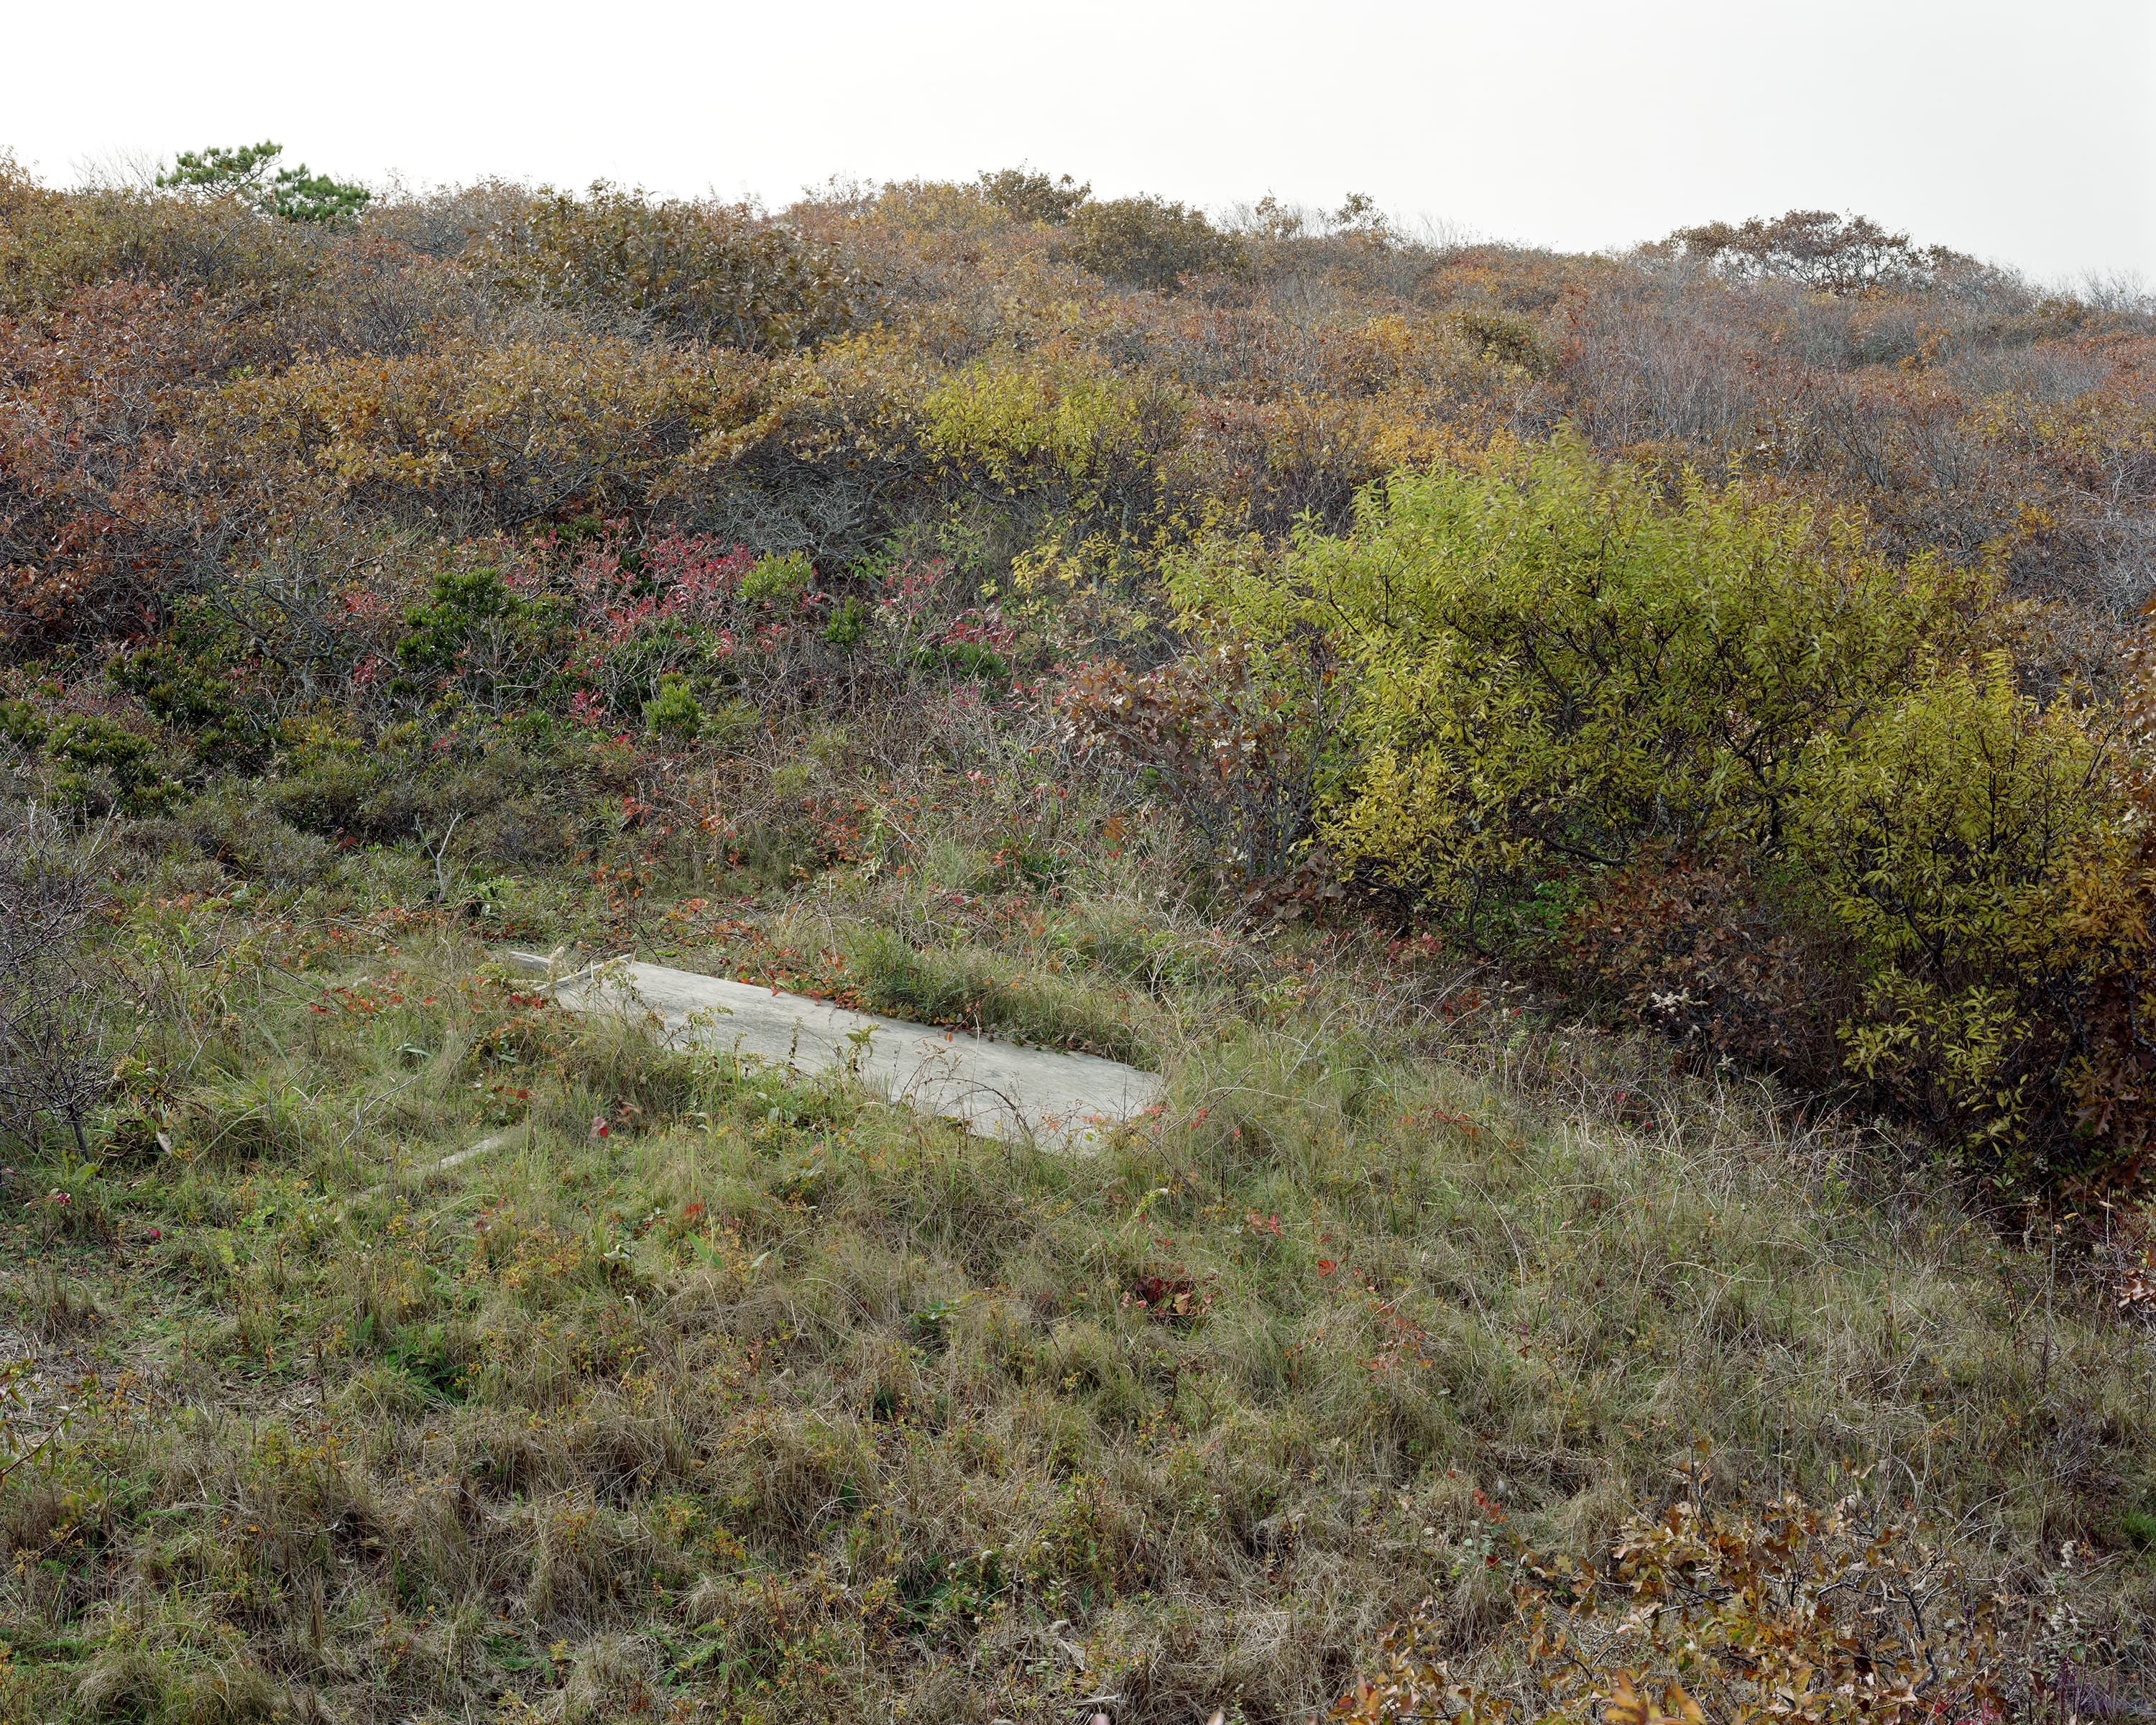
column 109, row 502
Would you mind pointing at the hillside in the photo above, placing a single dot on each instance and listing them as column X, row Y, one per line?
column 1614, row 791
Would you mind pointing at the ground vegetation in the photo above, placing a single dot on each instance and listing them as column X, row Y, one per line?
column 1615, row 790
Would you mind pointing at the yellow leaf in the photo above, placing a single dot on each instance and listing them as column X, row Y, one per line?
column 1625, row 1706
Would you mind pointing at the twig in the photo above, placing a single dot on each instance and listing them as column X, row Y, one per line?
column 439, row 853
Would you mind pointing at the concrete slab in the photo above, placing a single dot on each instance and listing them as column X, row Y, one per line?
column 995, row 1089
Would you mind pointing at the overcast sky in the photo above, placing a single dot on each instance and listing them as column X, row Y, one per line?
column 2025, row 133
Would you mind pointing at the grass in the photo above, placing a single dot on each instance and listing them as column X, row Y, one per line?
column 773, row 1402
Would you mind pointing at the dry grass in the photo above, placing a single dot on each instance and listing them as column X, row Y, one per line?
column 774, row 1403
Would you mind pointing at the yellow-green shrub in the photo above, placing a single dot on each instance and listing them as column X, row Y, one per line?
column 1557, row 667
column 1564, row 679
column 1059, row 446
column 1058, row 410
column 1943, row 832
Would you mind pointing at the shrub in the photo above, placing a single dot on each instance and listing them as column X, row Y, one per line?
column 1030, row 195
column 849, row 626
column 1505, row 336
column 777, row 580
column 674, row 711
column 1234, row 744
column 101, row 765
column 1557, row 667
column 1064, row 414
column 703, row 271
column 1704, row 955
column 188, row 687
column 497, row 646
column 1150, row 242
column 1943, row 832
column 1564, row 681
column 97, row 762
column 2112, row 910
column 106, row 504
column 490, row 434
column 52, row 244
column 1056, row 436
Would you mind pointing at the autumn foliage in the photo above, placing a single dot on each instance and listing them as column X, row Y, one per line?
column 1780, row 1611
column 1734, row 635
column 1718, row 763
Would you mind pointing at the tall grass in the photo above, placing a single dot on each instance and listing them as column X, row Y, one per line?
column 774, row 1402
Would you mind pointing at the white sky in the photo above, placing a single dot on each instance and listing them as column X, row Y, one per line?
column 2025, row 133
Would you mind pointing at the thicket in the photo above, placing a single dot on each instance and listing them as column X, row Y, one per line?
column 1716, row 759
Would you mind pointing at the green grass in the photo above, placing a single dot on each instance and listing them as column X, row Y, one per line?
column 776, row 1403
